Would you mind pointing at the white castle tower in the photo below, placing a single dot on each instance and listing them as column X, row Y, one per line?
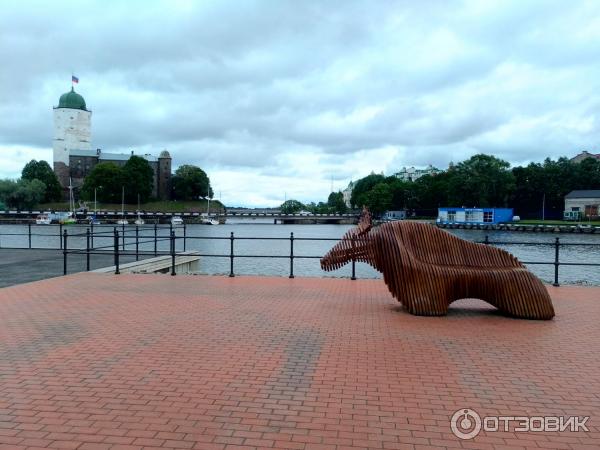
column 72, row 131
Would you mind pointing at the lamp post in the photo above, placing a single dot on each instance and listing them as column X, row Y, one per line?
column 544, row 207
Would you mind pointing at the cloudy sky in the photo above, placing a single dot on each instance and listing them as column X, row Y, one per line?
column 278, row 98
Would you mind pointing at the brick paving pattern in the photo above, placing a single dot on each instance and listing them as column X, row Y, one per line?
column 95, row 361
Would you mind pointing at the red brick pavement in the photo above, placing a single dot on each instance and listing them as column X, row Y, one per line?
column 150, row 361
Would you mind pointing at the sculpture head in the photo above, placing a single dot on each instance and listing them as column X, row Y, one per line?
column 353, row 246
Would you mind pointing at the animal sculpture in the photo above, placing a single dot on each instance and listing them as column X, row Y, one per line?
column 427, row 269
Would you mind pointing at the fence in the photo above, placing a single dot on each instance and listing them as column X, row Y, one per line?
column 126, row 241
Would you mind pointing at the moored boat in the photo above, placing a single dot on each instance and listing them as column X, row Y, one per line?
column 43, row 219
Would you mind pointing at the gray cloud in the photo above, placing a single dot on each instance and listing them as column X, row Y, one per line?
column 281, row 92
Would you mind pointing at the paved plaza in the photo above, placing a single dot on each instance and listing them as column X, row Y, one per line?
column 93, row 361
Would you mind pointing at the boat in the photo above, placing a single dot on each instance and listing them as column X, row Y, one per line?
column 139, row 220
column 122, row 220
column 43, row 219
column 176, row 220
column 208, row 220
column 93, row 220
column 69, row 219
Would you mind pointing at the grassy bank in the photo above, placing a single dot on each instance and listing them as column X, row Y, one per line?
column 162, row 206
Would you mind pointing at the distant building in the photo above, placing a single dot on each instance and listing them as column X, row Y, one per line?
column 584, row 155
column 394, row 215
column 582, row 204
column 74, row 158
column 347, row 194
column 476, row 216
column 412, row 174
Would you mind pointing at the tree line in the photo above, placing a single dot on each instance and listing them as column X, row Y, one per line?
column 335, row 204
column 39, row 184
column 482, row 181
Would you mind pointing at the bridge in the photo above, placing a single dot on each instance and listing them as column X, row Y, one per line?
column 14, row 216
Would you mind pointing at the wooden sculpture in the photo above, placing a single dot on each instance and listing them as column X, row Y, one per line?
column 427, row 268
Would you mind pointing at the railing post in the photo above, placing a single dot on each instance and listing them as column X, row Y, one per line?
column 556, row 261
column 116, row 250
column 155, row 237
column 231, row 238
column 123, row 236
column 172, row 253
column 137, row 243
column 64, row 247
column 92, row 225
column 184, row 236
column 292, row 254
column 60, row 233
column 87, row 249
column 353, row 277
column 29, row 232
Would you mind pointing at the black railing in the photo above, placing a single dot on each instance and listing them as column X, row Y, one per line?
column 124, row 236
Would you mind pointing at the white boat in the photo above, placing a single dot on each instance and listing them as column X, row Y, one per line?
column 209, row 221
column 122, row 220
column 176, row 220
column 69, row 219
column 139, row 220
column 43, row 219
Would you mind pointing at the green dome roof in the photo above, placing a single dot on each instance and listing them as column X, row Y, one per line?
column 72, row 100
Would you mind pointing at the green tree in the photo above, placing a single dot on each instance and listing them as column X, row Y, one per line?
column 530, row 191
column 588, row 174
column 430, row 192
column 336, row 203
column 22, row 194
column 481, row 181
column 362, row 187
column 139, row 179
column 190, row 183
column 107, row 178
column 317, row 208
column 291, row 206
column 41, row 170
column 379, row 199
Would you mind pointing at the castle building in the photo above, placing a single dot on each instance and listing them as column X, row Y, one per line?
column 73, row 155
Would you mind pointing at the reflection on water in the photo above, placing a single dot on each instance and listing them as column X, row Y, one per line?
column 48, row 238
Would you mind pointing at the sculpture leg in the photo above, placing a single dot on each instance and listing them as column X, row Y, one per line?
column 521, row 294
column 426, row 297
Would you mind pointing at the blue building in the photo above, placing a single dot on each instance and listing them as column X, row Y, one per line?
column 476, row 216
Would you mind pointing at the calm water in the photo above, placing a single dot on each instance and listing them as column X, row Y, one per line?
column 47, row 237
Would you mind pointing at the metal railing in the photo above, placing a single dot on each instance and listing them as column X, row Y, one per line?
column 123, row 236
column 118, row 248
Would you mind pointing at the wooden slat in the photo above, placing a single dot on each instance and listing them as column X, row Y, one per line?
column 427, row 269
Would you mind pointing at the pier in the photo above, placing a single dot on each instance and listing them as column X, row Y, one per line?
column 153, row 361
